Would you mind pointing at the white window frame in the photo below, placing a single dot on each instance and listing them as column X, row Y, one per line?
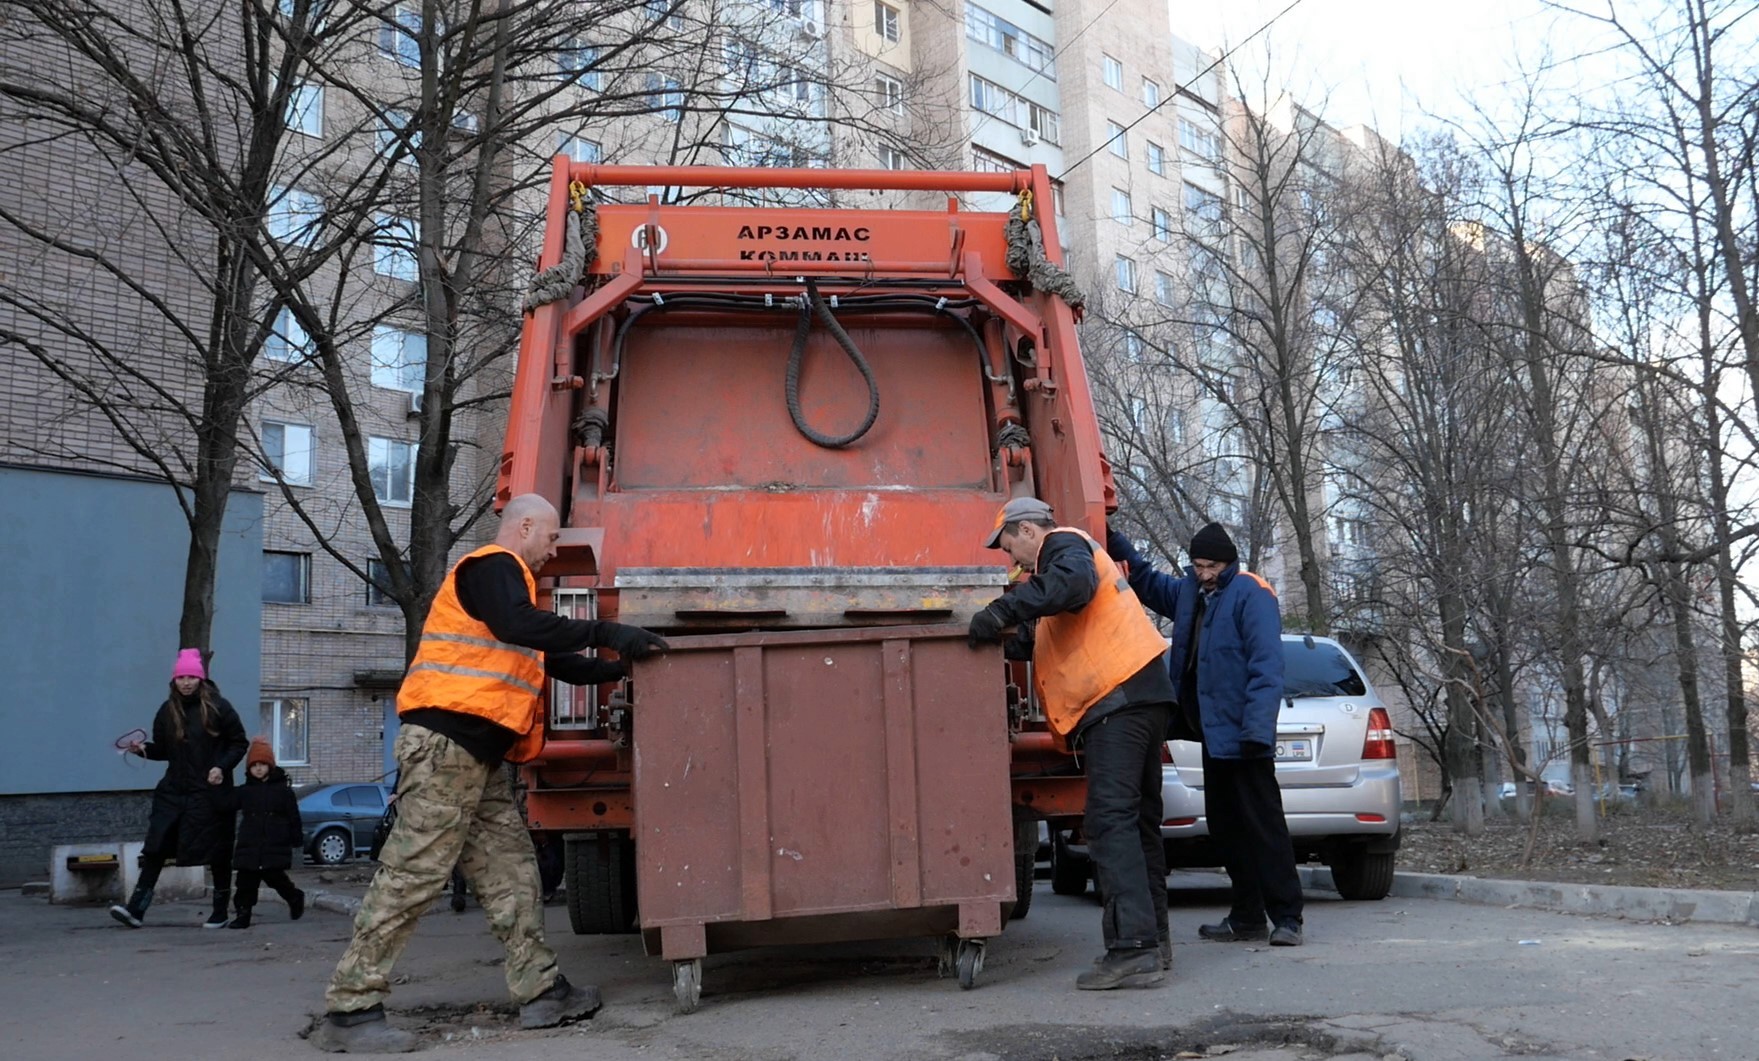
column 271, row 712
column 396, row 242
column 1161, row 223
column 1157, row 159
column 1150, row 93
column 1112, row 71
column 303, row 562
column 288, row 340
column 396, row 369
column 305, row 109
column 666, row 97
column 1124, row 270
column 1117, row 139
column 892, row 158
column 293, row 215
column 293, row 462
column 389, row 136
column 399, row 35
column 1163, row 287
column 579, row 148
column 890, row 91
column 574, row 62
column 888, row 22
column 1123, row 208
column 379, row 465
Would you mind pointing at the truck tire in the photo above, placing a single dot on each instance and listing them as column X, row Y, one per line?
column 1358, row 874
column 1068, row 873
column 599, row 870
column 1025, row 866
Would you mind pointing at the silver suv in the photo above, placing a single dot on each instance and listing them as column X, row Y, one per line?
column 1336, row 765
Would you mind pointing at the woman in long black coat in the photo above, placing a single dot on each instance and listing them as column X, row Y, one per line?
column 198, row 736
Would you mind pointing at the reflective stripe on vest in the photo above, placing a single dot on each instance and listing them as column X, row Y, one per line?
column 1078, row 657
column 461, row 666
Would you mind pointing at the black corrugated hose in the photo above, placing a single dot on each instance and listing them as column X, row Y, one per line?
column 814, row 303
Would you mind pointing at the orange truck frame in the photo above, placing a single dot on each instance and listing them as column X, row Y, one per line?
column 777, row 432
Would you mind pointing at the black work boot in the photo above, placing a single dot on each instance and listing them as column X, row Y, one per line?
column 134, row 911
column 562, row 1003
column 296, row 905
column 1287, row 934
column 241, row 919
column 218, row 919
column 1227, row 930
column 1123, row 968
column 362, row 1032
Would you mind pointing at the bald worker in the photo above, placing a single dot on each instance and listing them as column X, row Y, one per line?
column 471, row 701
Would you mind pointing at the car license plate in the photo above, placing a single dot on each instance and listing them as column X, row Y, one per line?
column 1295, row 750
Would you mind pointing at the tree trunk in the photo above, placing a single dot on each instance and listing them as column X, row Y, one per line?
column 1462, row 720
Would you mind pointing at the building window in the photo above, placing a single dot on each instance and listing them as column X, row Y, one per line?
column 1203, row 206
column 400, row 358
column 579, row 149
column 890, row 93
column 990, row 162
column 1114, row 72
column 1199, row 141
column 891, row 157
column 1163, row 288
column 986, row 27
column 1126, row 270
column 1057, row 199
column 577, row 63
column 286, row 578
column 285, row 720
column 1150, row 93
column 287, row 451
column 886, row 22
column 665, row 98
column 1116, row 141
column 394, row 247
column 399, row 35
column 1121, row 212
column 1162, row 220
column 1043, row 121
column 305, row 109
column 293, row 216
column 390, row 464
column 996, row 101
column 395, row 133
column 288, row 341
column 378, row 584
column 1134, row 348
column 1157, row 159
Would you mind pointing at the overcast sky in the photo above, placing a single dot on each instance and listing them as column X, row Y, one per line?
column 1384, row 62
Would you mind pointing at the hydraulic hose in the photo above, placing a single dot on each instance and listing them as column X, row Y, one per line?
column 813, row 303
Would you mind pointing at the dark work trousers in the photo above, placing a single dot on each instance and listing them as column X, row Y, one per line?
column 1122, row 750
column 274, row 878
column 1245, row 811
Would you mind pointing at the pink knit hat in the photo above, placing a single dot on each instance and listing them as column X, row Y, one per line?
column 189, row 664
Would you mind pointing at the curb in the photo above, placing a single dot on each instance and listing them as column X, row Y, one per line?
column 1599, row 900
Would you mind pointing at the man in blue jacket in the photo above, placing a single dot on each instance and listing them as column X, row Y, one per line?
column 1227, row 670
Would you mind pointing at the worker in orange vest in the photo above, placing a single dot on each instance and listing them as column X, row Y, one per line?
column 1099, row 675
column 472, row 700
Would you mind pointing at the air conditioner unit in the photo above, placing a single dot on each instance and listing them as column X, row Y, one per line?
column 811, row 29
column 1029, row 137
column 415, row 398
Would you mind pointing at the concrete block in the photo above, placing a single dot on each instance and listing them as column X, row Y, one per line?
column 35, row 887
column 102, row 883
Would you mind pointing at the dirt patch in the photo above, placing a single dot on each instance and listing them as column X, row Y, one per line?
column 1648, row 848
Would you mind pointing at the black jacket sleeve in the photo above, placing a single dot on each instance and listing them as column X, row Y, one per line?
column 290, row 810
column 159, row 748
column 1064, row 582
column 575, row 669
column 492, row 589
column 231, row 744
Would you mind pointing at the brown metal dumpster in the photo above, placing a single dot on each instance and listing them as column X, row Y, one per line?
column 818, row 786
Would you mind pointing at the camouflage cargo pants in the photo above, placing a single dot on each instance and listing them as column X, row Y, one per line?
column 452, row 809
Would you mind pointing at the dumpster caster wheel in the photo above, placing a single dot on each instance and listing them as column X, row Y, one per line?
column 687, row 984
column 970, row 962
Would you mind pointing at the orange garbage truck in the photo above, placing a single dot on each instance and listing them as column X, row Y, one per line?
column 779, row 434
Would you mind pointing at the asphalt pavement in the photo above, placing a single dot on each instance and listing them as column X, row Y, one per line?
column 1415, row 978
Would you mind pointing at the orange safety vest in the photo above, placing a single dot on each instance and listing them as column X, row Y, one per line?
column 460, row 667
column 1078, row 657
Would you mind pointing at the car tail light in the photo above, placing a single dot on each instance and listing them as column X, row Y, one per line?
column 1166, row 753
column 1379, row 744
column 1371, row 819
column 1180, row 821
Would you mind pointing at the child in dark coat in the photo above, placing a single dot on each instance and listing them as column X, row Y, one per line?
column 268, row 833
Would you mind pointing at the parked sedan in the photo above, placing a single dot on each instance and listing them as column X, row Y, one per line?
column 1335, row 763
column 340, row 818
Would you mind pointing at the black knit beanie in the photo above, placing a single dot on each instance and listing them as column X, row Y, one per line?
column 1213, row 543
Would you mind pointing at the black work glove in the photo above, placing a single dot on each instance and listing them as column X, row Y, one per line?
column 1252, row 749
column 1118, row 545
column 986, row 627
column 632, row 642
